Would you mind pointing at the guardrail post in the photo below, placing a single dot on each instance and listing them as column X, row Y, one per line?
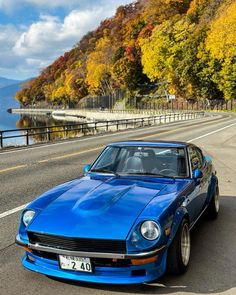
column 49, row 134
column 65, row 131
column 117, row 125
column 1, row 139
column 27, row 137
column 95, row 126
column 142, row 122
column 107, row 125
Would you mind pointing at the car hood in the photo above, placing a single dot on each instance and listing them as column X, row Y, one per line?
column 97, row 207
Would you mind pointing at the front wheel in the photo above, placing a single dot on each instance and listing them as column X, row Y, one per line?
column 179, row 250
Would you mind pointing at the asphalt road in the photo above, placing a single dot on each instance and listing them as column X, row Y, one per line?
column 27, row 173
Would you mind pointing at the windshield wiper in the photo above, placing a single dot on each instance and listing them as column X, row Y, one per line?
column 105, row 171
column 150, row 173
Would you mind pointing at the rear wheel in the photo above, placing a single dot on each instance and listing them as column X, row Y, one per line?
column 179, row 251
column 214, row 205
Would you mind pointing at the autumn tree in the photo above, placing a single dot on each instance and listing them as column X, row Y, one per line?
column 188, row 43
column 99, row 64
column 169, row 55
column 221, row 43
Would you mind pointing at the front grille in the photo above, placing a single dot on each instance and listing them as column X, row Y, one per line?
column 78, row 244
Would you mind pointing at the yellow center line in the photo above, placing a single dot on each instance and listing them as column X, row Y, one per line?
column 12, row 168
column 71, row 155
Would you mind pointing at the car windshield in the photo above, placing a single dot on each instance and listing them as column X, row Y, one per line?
column 142, row 160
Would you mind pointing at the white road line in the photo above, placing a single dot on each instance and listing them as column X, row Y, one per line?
column 134, row 130
column 9, row 212
column 12, row 211
column 212, row 132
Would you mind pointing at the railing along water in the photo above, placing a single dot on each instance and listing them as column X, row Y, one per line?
column 81, row 129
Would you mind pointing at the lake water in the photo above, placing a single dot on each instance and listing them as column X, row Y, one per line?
column 14, row 121
column 7, row 121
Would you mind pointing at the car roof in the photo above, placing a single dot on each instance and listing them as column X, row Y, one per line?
column 152, row 143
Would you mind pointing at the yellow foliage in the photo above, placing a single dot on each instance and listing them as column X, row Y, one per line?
column 24, row 99
column 99, row 63
column 195, row 5
column 160, row 52
column 48, row 89
column 221, row 41
column 67, row 83
column 58, row 92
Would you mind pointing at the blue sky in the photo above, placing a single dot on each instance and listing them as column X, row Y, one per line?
column 33, row 33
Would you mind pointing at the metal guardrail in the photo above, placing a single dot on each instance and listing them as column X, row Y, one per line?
column 83, row 129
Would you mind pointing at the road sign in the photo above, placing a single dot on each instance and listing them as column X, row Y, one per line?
column 171, row 96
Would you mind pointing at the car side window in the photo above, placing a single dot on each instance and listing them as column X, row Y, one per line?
column 196, row 158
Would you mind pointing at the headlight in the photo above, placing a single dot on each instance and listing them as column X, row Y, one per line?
column 28, row 216
column 150, row 230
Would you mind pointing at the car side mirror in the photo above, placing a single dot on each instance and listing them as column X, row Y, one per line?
column 86, row 168
column 197, row 174
column 208, row 159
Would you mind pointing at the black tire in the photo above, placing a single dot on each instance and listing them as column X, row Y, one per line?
column 214, row 205
column 176, row 263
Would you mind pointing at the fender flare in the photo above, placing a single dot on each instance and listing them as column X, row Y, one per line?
column 180, row 214
column 211, row 189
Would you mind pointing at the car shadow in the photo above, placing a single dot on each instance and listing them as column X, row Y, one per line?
column 213, row 260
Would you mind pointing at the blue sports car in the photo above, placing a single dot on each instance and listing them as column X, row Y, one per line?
column 127, row 220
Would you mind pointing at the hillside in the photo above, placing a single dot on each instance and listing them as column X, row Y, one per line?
column 188, row 44
column 7, row 96
column 7, row 82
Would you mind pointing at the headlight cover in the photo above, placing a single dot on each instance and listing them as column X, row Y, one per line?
column 27, row 217
column 150, row 230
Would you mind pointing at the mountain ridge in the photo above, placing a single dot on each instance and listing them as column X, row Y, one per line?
column 4, row 82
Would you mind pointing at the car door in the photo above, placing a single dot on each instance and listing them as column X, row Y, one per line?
column 200, row 186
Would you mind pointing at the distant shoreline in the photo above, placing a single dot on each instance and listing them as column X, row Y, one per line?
column 76, row 115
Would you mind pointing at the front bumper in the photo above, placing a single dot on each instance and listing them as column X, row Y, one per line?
column 130, row 274
column 38, row 247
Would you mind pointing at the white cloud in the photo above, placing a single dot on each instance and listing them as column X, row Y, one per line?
column 49, row 37
column 27, row 50
column 8, row 37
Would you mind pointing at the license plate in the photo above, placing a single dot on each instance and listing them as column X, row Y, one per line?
column 75, row 263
